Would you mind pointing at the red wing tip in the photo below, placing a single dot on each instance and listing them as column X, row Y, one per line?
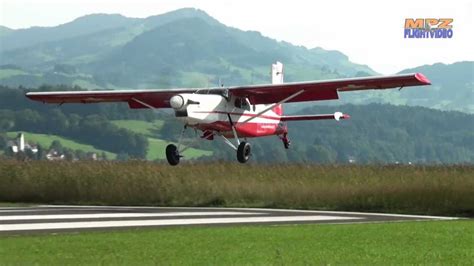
column 422, row 78
column 345, row 116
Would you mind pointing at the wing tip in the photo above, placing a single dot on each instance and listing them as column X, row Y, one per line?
column 30, row 95
column 422, row 78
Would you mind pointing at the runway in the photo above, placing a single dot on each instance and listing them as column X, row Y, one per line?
column 62, row 218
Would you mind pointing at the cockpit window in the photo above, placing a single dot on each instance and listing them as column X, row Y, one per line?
column 242, row 103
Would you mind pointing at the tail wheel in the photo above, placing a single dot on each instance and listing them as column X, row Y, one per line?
column 172, row 154
column 243, row 152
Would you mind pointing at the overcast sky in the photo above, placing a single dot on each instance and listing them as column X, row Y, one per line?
column 369, row 32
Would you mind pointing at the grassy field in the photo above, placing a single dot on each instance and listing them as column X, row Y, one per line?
column 435, row 190
column 139, row 126
column 156, row 148
column 45, row 141
column 440, row 243
column 7, row 73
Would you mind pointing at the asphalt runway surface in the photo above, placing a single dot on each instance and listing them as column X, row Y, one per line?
column 61, row 218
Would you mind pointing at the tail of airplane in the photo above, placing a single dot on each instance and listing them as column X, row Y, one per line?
column 277, row 73
column 277, row 78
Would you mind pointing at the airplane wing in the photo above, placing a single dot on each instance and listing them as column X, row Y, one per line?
column 257, row 94
column 324, row 89
column 134, row 98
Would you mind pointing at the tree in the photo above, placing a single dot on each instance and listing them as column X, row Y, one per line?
column 56, row 145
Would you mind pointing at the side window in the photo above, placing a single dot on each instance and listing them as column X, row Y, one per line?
column 242, row 103
column 238, row 102
column 245, row 104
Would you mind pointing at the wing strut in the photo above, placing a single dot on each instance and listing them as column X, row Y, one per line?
column 143, row 103
column 273, row 105
column 233, row 130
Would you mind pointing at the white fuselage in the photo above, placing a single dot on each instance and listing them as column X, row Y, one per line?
column 212, row 111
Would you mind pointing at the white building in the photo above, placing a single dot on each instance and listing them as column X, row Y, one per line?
column 19, row 145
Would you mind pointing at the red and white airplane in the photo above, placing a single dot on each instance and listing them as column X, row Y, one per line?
column 236, row 112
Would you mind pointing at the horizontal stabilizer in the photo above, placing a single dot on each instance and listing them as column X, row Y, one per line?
column 336, row 116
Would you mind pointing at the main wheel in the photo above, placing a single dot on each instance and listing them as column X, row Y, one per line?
column 172, row 154
column 243, row 152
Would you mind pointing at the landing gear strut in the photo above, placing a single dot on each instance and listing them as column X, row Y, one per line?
column 285, row 140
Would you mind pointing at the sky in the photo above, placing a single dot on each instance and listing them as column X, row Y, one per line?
column 367, row 31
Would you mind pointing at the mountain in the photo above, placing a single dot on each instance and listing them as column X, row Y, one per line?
column 189, row 48
column 185, row 47
column 452, row 88
column 4, row 31
column 85, row 25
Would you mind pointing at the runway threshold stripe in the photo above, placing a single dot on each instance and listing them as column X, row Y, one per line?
column 118, row 215
column 139, row 223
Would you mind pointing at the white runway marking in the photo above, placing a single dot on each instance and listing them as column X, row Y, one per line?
column 77, row 218
column 140, row 223
column 259, row 209
column 118, row 215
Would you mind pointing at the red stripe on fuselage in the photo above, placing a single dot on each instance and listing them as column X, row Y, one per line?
column 240, row 114
column 245, row 130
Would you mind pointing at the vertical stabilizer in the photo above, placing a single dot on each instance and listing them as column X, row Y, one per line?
column 277, row 78
column 277, row 73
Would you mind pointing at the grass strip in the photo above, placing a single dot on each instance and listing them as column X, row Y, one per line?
column 435, row 242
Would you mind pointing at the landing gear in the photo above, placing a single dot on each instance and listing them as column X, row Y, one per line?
column 285, row 140
column 243, row 152
column 172, row 154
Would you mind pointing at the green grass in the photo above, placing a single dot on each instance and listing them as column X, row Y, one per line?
column 440, row 243
column 138, row 126
column 435, row 190
column 7, row 73
column 45, row 141
column 156, row 148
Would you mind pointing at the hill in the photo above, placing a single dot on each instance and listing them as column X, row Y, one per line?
column 452, row 89
column 4, row 31
column 386, row 133
column 189, row 48
column 185, row 47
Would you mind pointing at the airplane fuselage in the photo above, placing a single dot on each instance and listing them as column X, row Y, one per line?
column 216, row 113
